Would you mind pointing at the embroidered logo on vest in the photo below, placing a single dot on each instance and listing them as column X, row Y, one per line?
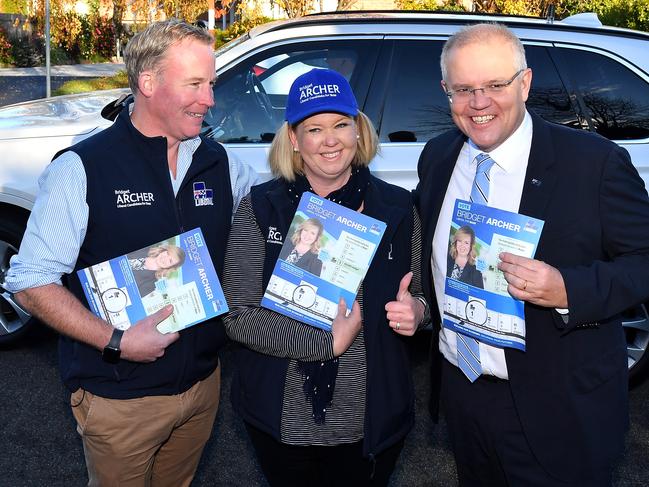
column 126, row 199
column 203, row 196
column 274, row 236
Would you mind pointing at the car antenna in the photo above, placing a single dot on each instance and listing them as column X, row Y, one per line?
column 549, row 18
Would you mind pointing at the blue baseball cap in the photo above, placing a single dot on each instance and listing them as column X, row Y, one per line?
column 319, row 91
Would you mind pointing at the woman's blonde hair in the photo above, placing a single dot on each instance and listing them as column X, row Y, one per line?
column 173, row 250
column 285, row 163
column 314, row 222
column 464, row 230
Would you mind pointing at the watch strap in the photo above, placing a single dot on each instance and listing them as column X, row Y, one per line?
column 112, row 352
column 115, row 339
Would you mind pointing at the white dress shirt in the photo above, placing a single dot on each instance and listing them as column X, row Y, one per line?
column 507, row 178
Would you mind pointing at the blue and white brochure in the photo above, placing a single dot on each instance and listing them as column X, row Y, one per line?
column 477, row 303
column 342, row 251
column 177, row 271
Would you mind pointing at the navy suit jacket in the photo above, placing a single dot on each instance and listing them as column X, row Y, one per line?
column 570, row 385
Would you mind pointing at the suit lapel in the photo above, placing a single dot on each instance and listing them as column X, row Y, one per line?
column 435, row 181
column 541, row 175
column 438, row 180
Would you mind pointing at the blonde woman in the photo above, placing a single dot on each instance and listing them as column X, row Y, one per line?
column 325, row 408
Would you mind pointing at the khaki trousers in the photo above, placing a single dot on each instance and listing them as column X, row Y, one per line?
column 153, row 441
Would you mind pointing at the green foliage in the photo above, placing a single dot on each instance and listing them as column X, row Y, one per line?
column 447, row 5
column 632, row 14
column 13, row 6
column 28, row 51
column 237, row 29
column 59, row 56
column 533, row 8
column 6, row 59
column 84, row 36
column 188, row 10
column 119, row 80
column 104, row 36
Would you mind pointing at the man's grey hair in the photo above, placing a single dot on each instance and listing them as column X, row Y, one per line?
column 479, row 33
column 147, row 49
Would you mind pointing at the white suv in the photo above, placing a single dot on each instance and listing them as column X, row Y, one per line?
column 586, row 76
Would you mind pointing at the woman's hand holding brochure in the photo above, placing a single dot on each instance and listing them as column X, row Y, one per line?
column 345, row 328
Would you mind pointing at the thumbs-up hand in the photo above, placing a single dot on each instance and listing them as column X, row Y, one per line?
column 142, row 342
column 405, row 313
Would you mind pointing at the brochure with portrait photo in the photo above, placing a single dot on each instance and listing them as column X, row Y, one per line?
column 476, row 301
column 177, row 271
column 325, row 256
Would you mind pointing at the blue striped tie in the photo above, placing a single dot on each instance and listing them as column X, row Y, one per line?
column 468, row 349
column 480, row 188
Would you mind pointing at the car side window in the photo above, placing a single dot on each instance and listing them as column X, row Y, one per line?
column 415, row 106
column 249, row 99
column 548, row 96
column 614, row 98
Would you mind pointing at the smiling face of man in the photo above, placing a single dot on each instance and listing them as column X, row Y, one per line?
column 487, row 118
column 177, row 95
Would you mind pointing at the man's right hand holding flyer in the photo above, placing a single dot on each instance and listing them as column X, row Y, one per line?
column 143, row 342
column 533, row 281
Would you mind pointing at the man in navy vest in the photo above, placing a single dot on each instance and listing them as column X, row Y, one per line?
column 144, row 402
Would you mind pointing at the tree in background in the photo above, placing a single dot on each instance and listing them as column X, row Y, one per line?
column 295, row 8
column 341, row 4
column 5, row 49
column 249, row 14
column 446, row 5
column 74, row 36
column 13, row 6
column 632, row 14
column 188, row 10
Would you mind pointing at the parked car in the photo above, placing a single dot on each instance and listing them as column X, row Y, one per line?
column 585, row 75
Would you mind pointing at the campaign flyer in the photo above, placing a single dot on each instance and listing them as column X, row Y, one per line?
column 325, row 257
column 477, row 303
column 177, row 271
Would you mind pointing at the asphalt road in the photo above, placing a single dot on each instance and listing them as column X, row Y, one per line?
column 40, row 447
column 24, row 88
column 23, row 84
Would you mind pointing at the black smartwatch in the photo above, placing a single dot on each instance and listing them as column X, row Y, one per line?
column 112, row 351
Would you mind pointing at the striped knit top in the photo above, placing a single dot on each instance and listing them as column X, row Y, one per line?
column 271, row 333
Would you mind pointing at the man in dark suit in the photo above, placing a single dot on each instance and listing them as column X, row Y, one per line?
column 556, row 413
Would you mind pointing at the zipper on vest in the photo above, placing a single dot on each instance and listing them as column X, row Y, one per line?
column 179, row 211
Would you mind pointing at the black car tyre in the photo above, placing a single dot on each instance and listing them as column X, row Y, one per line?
column 636, row 328
column 14, row 322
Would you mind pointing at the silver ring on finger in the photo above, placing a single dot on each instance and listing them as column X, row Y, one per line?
column 398, row 327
